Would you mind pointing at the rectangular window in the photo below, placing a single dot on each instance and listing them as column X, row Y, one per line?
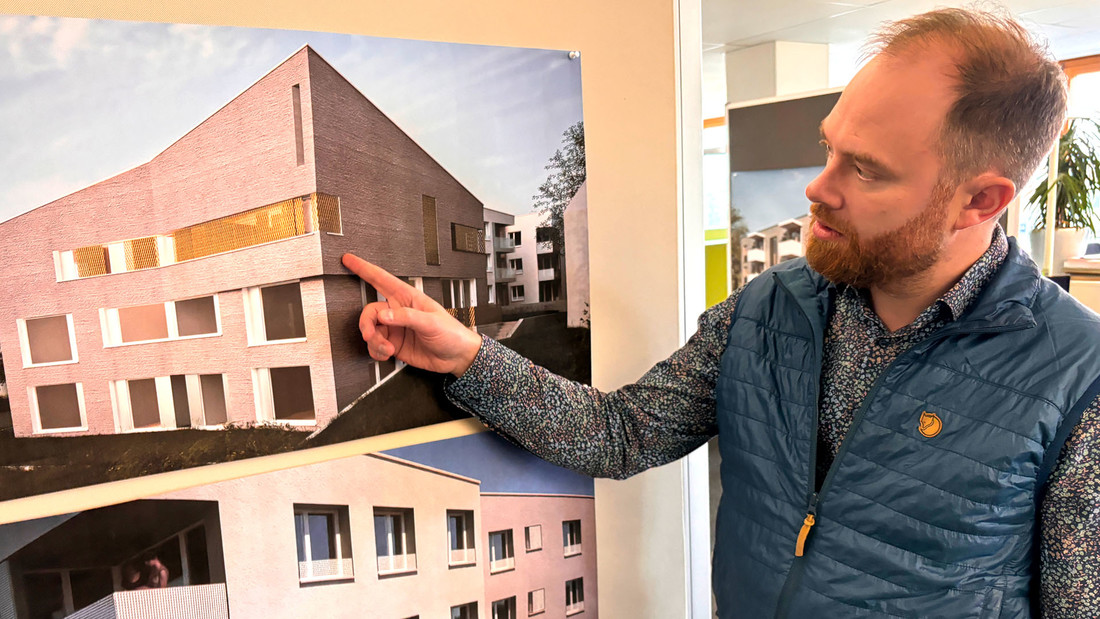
column 533, row 537
column 574, row 596
column 571, row 537
column 549, row 291
column 274, row 314
column 282, row 312
column 505, row 609
column 431, row 230
column 547, row 261
column 284, row 394
column 545, row 235
column 196, row 316
column 517, row 293
column 516, row 237
column 296, row 108
column 460, row 535
column 394, row 541
column 170, row 402
column 501, row 554
column 158, row 322
column 536, row 602
column 466, row 611
column 467, row 239
column 517, row 264
column 47, row 340
column 58, row 408
column 323, row 542
column 142, row 323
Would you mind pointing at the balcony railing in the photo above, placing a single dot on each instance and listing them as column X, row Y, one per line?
column 574, row 608
column 501, row 565
column 754, row 255
column 283, row 220
column 546, row 275
column 572, row 549
column 790, row 248
column 506, row 274
column 326, row 569
column 503, row 244
column 462, row 556
column 465, row 315
column 206, row 601
column 396, row 564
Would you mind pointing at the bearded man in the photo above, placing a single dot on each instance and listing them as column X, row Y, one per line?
column 909, row 418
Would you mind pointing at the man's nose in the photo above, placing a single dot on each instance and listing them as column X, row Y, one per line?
column 823, row 189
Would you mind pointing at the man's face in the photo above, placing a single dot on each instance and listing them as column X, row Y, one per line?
column 880, row 213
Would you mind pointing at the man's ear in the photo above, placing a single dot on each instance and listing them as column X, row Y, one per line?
column 984, row 196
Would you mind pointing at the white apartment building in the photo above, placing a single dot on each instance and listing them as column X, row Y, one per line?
column 537, row 267
column 766, row 248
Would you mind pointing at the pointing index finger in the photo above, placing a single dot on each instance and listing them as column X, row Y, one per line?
column 382, row 280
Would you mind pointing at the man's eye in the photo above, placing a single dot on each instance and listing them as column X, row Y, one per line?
column 862, row 173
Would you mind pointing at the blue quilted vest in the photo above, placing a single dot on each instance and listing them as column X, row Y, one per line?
column 905, row 525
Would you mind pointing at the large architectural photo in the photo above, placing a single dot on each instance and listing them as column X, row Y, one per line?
column 202, row 290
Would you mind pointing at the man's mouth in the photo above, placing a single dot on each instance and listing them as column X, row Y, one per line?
column 824, row 232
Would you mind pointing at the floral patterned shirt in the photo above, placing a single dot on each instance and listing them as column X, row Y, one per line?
column 671, row 410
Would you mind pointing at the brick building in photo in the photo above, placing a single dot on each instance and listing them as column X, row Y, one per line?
column 205, row 287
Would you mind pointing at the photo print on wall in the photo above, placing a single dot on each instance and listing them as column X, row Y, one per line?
column 191, row 308
column 464, row 528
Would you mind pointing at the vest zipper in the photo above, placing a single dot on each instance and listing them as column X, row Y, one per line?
column 794, row 575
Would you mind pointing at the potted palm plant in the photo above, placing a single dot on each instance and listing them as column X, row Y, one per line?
column 1077, row 188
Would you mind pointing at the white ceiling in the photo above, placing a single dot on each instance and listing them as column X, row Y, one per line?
column 1071, row 26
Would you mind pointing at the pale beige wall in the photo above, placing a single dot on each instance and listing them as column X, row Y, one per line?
column 261, row 565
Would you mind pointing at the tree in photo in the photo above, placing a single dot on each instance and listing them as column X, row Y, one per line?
column 566, row 174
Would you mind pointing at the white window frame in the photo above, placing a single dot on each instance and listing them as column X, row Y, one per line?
column 344, row 566
column 265, row 403
column 196, row 405
column 254, row 325
column 510, row 610
column 516, row 264
column 567, row 533
column 36, row 417
column 25, row 343
column 512, row 293
column 574, row 589
column 536, row 602
column 111, row 324
column 467, row 553
column 507, row 562
column 407, row 564
column 529, row 543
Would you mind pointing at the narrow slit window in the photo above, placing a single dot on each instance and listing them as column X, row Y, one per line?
column 299, row 140
column 431, row 230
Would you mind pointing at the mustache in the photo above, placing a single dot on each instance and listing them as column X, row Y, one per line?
column 821, row 213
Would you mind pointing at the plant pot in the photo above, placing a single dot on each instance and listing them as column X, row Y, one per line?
column 1068, row 243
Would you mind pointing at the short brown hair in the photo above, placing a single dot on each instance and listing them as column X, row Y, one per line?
column 1011, row 93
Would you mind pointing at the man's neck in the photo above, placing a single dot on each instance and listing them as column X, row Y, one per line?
column 899, row 303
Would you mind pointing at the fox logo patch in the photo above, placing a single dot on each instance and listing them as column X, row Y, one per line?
column 930, row 424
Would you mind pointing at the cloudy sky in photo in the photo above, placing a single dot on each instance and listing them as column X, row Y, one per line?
column 84, row 100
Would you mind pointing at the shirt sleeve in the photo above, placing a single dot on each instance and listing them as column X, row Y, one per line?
column 665, row 415
column 1070, row 526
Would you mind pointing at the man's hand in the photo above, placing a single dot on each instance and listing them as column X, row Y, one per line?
column 411, row 326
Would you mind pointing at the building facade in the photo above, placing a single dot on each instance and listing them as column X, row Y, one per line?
column 376, row 537
column 204, row 287
column 538, row 268
column 576, row 258
column 766, row 248
column 500, row 247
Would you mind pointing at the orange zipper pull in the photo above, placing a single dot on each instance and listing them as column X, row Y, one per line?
column 803, row 534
